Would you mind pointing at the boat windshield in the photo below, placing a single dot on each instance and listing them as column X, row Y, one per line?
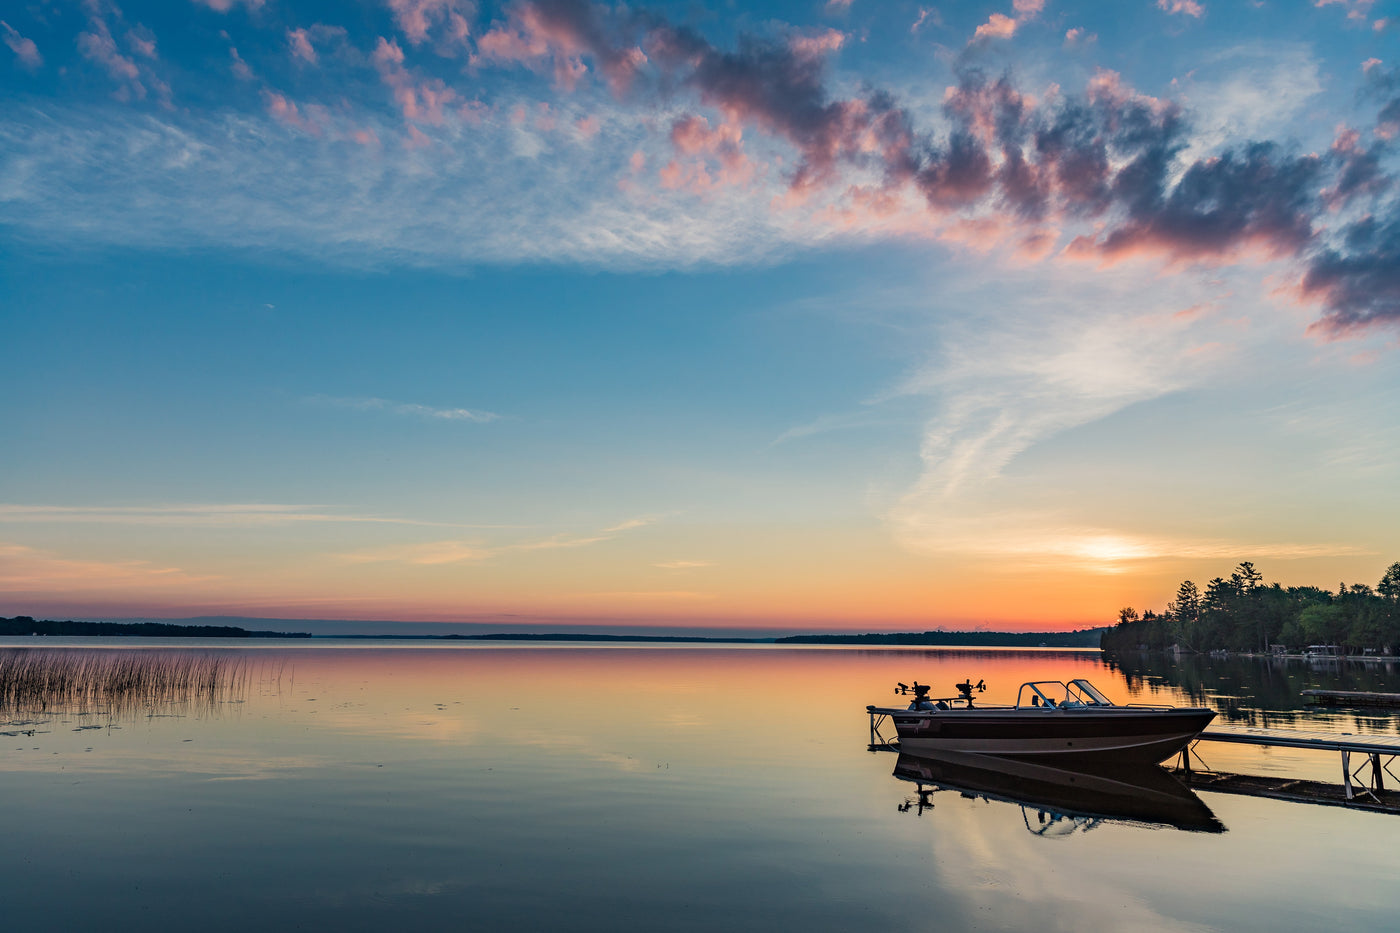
column 1052, row 694
column 1048, row 693
column 1081, row 691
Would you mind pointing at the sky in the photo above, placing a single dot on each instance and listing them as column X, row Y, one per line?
column 817, row 316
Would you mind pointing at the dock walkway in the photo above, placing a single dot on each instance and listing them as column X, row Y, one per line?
column 1379, row 752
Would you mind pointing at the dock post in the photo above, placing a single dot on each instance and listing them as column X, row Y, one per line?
column 1377, row 780
column 1346, row 772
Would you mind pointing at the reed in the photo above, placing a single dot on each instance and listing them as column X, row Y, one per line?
column 40, row 680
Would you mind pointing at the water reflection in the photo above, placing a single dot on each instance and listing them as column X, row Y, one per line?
column 413, row 787
column 1263, row 691
column 1062, row 798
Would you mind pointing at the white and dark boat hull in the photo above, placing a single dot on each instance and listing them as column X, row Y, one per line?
column 1120, row 734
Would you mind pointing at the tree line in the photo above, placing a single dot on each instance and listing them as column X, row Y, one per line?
column 1243, row 613
column 27, row 625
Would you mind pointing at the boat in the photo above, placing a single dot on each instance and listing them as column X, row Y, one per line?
column 1051, row 719
column 1063, row 796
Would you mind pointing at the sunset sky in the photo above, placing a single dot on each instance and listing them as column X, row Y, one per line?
column 845, row 315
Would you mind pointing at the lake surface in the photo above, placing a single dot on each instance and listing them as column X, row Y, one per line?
column 373, row 786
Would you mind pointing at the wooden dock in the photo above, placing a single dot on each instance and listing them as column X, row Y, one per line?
column 1352, row 698
column 1368, row 778
column 1289, row 789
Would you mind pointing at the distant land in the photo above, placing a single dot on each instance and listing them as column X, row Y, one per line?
column 26, row 625
column 1083, row 638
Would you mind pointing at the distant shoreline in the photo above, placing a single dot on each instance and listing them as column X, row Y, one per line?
column 1086, row 638
column 25, row 625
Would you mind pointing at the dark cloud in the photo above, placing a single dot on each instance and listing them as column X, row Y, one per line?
column 1110, row 155
column 1358, row 172
column 1384, row 85
column 1360, row 283
column 1256, row 197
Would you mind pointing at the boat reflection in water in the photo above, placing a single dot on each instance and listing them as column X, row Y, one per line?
column 1064, row 798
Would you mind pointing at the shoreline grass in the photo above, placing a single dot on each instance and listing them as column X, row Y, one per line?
column 50, row 679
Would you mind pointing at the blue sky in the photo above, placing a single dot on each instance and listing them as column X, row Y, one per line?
column 843, row 315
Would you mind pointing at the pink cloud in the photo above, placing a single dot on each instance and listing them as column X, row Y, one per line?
column 142, row 42
column 817, row 45
column 997, row 26
column 387, row 55
column 223, row 6
column 25, row 49
column 985, row 108
column 838, row 6
column 926, row 15
column 423, row 101
column 1185, row 7
column 1106, row 88
column 473, row 112
column 563, row 33
column 587, row 127
column 416, row 18
column 365, row 137
column 1036, row 246
column 300, row 44
column 284, row 110
column 1357, row 10
column 240, row 68
column 416, row 138
column 693, row 177
column 1001, row 26
column 99, row 46
column 694, row 139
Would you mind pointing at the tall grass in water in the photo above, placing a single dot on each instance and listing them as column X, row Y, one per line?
column 121, row 681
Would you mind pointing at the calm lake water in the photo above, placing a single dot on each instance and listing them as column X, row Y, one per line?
column 371, row 786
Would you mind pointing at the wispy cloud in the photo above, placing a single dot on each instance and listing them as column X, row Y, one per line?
column 30, row 570
column 1182, row 8
column 555, row 542
column 427, row 554
column 660, row 595
column 409, row 409
column 259, row 514
column 684, row 564
column 823, row 425
column 641, row 521
column 1086, row 347
column 25, row 49
column 458, row 551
